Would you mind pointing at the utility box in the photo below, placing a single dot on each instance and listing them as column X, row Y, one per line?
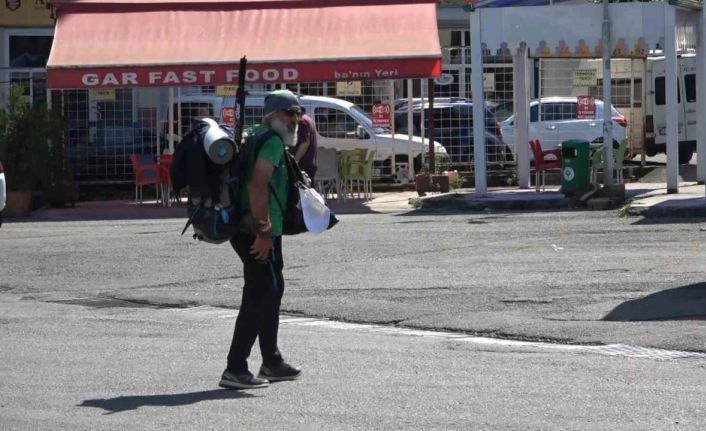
column 576, row 165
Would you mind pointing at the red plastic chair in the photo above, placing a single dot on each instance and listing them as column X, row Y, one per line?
column 541, row 163
column 146, row 173
column 164, row 163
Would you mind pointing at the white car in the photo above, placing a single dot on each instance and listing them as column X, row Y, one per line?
column 2, row 191
column 558, row 121
column 341, row 125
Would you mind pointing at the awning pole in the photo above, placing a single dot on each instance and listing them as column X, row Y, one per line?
column 478, row 103
column 170, row 117
column 158, row 119
column 179, row 125
column 410, row 131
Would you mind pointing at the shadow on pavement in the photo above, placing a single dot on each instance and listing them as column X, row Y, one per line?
column 680, row 303
column 669, row 220
column 122, row 404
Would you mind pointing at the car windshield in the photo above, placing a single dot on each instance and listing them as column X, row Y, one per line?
column 364, row 119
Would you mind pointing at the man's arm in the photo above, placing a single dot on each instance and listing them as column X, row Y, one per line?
column 301, row 150
column 259, row 194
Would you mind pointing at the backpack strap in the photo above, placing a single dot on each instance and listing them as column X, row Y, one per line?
column 293, row 174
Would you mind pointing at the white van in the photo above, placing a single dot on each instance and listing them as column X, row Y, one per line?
column 341, row 125
column 656, row 107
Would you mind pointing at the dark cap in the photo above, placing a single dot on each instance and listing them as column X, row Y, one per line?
column 281, row 100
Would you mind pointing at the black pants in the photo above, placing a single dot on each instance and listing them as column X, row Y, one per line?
column 259, row 309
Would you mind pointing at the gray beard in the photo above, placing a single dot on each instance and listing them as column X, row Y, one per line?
column 289, row 137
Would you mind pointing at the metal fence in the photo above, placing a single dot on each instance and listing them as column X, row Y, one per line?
column 105, row 127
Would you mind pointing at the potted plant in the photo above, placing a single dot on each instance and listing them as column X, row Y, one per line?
column 24, row 149
column 59, row 185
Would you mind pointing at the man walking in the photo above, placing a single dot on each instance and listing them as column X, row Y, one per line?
column 259, row 246
column 305, row 151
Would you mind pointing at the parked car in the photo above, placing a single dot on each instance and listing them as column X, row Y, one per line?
column 3, row 189
column 453, row 128
column 557, row 121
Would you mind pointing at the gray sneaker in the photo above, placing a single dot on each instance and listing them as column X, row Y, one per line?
column 241, row 381
column 276, row 373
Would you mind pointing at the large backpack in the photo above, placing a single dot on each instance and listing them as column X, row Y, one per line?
column 214, row 200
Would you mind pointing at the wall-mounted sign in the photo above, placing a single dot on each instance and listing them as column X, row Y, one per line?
column 229, row 115
column 102, row 94
column 381, row 115
column 25, row 13
column 586, row 109
column 226, row 90
column 585, row 78
column 348, row 88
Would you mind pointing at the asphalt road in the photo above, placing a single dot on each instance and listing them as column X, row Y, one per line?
column 68, row 367
column 567, row 277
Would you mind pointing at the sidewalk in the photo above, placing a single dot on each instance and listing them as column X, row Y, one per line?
column 643, row 199
column 384, row 202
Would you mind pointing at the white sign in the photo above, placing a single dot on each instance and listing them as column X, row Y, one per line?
column 348, row 88
column 585, row 78
column 102, row 94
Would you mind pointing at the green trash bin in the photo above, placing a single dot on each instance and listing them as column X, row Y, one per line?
column 576, row 165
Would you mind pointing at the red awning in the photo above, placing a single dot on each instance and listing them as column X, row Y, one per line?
column 127, row 43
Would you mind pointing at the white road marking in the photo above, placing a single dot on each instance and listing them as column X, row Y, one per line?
column 606, row 350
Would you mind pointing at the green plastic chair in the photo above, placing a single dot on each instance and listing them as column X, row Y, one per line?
column 596, row 164
column 368, row 175
column 618, row 160
column 353, row 164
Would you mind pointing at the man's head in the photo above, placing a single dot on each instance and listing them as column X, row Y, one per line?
column 282, row 112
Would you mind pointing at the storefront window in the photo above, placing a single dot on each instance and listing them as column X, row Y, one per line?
column 29, row 51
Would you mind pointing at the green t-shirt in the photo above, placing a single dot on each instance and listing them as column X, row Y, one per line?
column 271, row 150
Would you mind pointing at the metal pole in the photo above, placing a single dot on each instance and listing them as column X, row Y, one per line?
column 391, row 99
column 410, row 131
column 478, row 103
column 432, row 158
column 607, row 99
column 701, row 101
column 671, row 73
column 521, row 124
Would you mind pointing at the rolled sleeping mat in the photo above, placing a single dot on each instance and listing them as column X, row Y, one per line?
column 217, row 143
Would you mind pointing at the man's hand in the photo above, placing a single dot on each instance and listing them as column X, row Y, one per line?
column 261, row 248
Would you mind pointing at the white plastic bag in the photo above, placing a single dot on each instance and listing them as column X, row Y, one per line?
column 316, row 213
